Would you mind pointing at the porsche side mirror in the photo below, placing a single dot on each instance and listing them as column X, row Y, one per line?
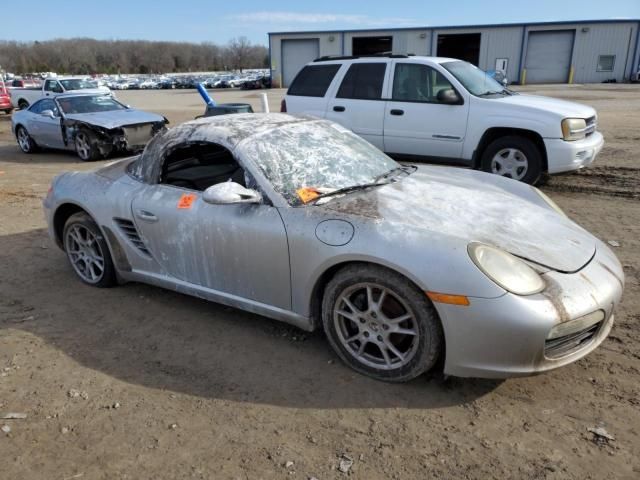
column 230, row 192
column 48, row 114
column 448, row 96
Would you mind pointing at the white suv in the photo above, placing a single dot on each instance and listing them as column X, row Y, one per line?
column 447, row 110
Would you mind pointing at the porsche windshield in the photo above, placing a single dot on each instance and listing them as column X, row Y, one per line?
column 318, row 157
column 89, row 104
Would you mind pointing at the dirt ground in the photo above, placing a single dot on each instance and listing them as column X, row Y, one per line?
column 140, row 383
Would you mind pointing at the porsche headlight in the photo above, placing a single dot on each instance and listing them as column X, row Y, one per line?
column 550, row 202
column 574, row 129
column 504, row 269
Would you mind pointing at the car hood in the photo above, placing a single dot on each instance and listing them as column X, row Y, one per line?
column 467, row 206
column 116, row 118
column 562, row 108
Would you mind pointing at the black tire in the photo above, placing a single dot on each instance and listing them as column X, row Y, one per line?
column 86, row 146
column 25, row 142
column 526, row 148
column 8, row 111
column 23, row 104
column 82, row 220
column 426, row 347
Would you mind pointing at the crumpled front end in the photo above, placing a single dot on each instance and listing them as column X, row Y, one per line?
column 523, row 335
column 127, row 138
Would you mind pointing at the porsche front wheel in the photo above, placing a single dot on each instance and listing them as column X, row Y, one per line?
column 380, row 324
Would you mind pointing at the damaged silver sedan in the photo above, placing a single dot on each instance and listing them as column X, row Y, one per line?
column 92, row 125
column 405, row 268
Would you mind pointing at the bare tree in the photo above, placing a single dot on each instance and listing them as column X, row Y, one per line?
column 86, row 56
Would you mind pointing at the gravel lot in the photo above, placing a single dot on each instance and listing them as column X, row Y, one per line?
column 140, row 383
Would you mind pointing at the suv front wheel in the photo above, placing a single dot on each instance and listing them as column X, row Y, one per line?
column 513, row 157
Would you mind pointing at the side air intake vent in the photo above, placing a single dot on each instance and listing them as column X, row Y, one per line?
column 131, row 232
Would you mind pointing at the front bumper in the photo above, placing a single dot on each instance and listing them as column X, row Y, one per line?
column 563, row 156
column 507, row 336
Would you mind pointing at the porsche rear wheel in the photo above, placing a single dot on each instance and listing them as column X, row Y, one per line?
column 88, row 252
column 380, row 324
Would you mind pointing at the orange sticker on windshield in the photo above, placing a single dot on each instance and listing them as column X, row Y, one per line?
column 186, row 200
column 306, row 194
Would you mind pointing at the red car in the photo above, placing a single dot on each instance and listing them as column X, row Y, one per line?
column 5, row 99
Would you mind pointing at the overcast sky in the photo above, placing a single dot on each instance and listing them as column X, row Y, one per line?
column 200, row 20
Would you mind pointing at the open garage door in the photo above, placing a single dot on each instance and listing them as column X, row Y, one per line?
column 464, row 46
column 549, row 56
column 295, row 55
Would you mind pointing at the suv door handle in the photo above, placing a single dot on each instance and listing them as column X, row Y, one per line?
column 338, row 108
column 397, row 112
column 146, row 216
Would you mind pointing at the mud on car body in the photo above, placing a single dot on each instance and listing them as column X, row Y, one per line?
column 94, row 125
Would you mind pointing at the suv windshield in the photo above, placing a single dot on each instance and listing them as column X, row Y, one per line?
column 315, row 157
column 476, row 81
column 77, row 84
column 89, row 104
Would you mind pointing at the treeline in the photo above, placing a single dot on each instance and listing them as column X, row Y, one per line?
column 87, row 56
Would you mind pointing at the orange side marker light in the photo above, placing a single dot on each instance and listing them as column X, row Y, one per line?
column 450, row 299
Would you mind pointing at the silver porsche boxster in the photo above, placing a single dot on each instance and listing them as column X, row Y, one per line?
column 300, row 220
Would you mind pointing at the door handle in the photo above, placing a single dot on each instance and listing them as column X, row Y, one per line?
column 146, row 216
column 338, row 108
column 397, row 112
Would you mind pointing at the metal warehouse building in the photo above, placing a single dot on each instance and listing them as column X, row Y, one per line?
column 557, row 52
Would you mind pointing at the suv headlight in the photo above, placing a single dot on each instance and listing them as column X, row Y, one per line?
column 574, row 129
column 550, row 202
column 504, row 269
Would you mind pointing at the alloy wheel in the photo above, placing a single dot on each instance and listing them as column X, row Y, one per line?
column 23, row 140
column 82, row 146
column 376, row 326
column 510, row 162
column 85, row 254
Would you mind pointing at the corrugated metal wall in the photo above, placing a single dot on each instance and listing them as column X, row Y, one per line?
column 617, row 39
column 599, row 40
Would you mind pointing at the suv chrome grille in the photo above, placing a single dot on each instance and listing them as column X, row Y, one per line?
column 131, row 232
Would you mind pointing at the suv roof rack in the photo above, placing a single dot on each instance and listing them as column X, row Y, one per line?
column 327, row 58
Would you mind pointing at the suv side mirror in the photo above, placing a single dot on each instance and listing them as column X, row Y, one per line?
column 48, row 113
column 448, row 96
column 230, row 192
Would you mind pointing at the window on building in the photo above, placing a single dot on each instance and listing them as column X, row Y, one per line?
column 363, row 81
column 313, row 80
column 413, row 82
column 606, row 63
